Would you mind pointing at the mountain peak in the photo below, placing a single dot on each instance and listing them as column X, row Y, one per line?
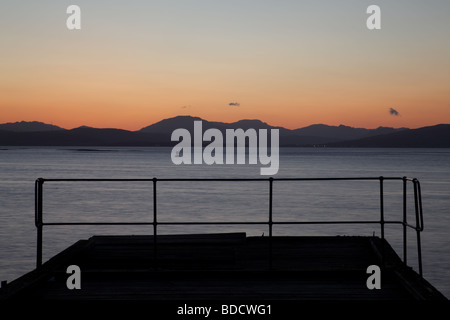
column 171, row 124
column 29, row 126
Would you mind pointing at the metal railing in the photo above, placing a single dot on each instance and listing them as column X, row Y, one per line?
column 418, row 226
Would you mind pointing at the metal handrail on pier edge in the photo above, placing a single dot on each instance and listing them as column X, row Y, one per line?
column 418, row 227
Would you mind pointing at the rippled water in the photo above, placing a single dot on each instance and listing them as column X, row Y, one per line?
column 219, row 201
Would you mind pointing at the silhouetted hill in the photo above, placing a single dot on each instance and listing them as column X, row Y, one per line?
column 427, row 137
column 25, row 126
column 340, row 133
column 82, row 136
column 159, row 134
column 318, row 134
column 287, row 137
column 169, row 125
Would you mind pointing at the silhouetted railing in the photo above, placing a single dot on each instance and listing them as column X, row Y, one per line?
column 418, row 226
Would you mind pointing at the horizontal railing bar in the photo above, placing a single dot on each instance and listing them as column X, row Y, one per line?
column 266, row 223
column 149, row 223
column 95, row 223
column 223, row 223
column 337, row 179
column 224, row 179
column 213, row 223
column 326, row 222
column 151, row 180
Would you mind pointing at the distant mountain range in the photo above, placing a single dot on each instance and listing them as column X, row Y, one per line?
column 32, row 126
column 158, row 134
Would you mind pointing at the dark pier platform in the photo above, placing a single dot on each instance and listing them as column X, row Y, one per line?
column 224, row 267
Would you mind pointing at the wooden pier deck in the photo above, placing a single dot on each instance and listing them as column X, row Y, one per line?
column 223, row 267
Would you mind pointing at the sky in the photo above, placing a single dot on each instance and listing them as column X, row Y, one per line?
column 289, row 63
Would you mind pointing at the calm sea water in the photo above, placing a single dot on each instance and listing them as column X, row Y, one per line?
column 219, row 201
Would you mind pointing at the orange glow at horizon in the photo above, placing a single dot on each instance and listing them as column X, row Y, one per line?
column 127, row 101
column 291, row 66
column 104, row 114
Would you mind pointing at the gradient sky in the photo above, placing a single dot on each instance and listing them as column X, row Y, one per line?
column 290, row 63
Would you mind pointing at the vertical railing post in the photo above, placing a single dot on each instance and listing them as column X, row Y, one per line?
column 382, row 207
column 270, row 206
column 405, row 221
column 155, row 225
column 382, row 218
column 419, row 226
column 270, row 220
column 38, row 196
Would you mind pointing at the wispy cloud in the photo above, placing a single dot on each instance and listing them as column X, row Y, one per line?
column 393, row 112
column 234, row 104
